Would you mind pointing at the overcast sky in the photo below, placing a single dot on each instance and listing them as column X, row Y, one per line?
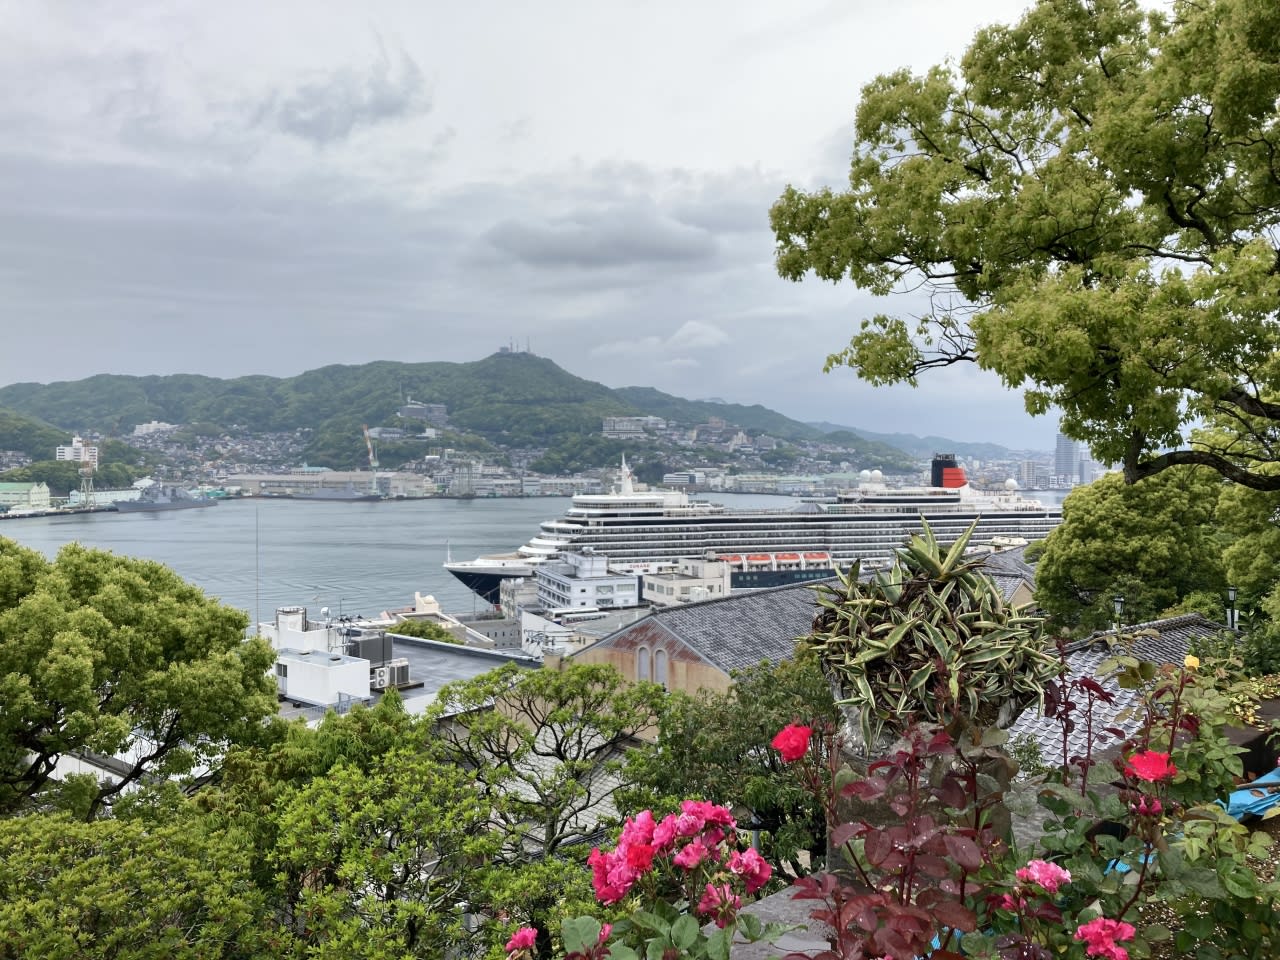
column 245, row 187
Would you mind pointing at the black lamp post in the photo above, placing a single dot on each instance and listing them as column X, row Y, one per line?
column 1118, row 603
column 1233, row 616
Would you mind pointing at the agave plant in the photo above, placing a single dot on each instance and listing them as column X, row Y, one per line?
column 930, row 639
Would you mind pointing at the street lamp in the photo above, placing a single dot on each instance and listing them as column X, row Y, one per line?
column 1233, row 616
column 1117, row 603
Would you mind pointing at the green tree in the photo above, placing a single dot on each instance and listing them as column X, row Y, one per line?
column 376, row 863
column 1250, row 524
column 545, row 746
column 260, row 779
column 125, row 889
column 1091, row 197
column 120, row 658
column 425, row 630
column 1153, row 543
column 60, row 476
column 714, row 746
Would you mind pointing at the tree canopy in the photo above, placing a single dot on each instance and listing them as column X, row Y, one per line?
column 1090, row 200
column 545, row 746
column 1154, row 544
column 120, row 658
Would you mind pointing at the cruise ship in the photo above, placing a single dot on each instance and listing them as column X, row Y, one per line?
column 644, row 532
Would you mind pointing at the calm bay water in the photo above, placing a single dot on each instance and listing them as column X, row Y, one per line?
column 355, row 558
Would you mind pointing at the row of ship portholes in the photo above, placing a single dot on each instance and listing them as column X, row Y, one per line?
column 651, row 665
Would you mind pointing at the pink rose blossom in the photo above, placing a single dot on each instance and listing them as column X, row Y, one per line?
column 687, row 825
column 1100, row 938
column 664, row 834
column 720, row 903
column 1047, row 876
column 522, row 939
column 691, row 855
column 752, row 867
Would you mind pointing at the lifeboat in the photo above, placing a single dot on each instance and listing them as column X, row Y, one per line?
column 817, row 556
column 758, row 558
column 733, row 558
column 789, row 557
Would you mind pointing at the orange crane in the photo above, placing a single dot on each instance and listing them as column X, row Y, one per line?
column 373, row 459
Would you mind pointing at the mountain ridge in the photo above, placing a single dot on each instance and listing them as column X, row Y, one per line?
column 510, row 398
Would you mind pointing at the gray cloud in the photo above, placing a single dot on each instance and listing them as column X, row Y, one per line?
column 593, row 240
column 329, row 109
column 160, row 213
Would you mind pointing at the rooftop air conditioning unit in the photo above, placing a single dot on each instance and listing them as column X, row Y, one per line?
column 381, row 677
column 399, row 672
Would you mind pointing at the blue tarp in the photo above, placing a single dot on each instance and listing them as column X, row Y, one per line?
column 1257, row 797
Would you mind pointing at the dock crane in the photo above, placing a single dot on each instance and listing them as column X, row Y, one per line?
column 373, row 459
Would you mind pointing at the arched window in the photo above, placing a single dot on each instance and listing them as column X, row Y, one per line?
column 660, row 667
column 642, row 663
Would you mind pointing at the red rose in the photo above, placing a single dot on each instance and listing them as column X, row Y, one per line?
column 792, row 742
column 1150, row 766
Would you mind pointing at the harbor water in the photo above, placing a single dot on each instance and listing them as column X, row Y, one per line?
column 354, row 558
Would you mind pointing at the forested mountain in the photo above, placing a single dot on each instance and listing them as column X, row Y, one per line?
column 921, row 447
column 753, row 418
column 29, row 435
column 511, row 399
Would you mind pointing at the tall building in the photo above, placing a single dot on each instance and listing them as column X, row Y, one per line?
column 78, row 452
column 1066, row 460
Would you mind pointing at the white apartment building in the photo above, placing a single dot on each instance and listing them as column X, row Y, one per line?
column 584, row 580
column 77, row 452
column 690, row 581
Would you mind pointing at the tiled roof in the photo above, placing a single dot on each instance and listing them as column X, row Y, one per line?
column 1012, row 560
column 1157, row 641
column 1009, row 571
column 741, row 630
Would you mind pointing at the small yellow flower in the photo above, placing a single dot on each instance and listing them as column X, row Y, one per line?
column 1191, row 662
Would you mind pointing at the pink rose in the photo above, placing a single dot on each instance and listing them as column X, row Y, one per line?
column 1047, row 876
column 522, row 939
column 1100, row 938
column 692, row 855
column 720, row 903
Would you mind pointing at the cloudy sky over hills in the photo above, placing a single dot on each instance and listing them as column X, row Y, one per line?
column 242, row 187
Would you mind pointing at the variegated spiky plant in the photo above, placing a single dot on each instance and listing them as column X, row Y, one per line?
column 930, row 639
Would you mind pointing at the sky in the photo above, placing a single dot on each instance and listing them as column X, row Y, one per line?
column 243, row 187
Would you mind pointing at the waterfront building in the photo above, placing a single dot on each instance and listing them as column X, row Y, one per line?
column 584, row 580
column 390, row 483
column 17, row 497
column 688, row 582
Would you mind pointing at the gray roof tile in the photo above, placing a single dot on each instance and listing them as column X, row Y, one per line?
column 1157, row 641
column 740, row 630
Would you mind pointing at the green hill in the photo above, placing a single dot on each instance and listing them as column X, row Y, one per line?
column 922, row 447
column 508, row 399
column 29, row 435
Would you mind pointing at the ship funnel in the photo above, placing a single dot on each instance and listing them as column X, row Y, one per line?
column 946, row 472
